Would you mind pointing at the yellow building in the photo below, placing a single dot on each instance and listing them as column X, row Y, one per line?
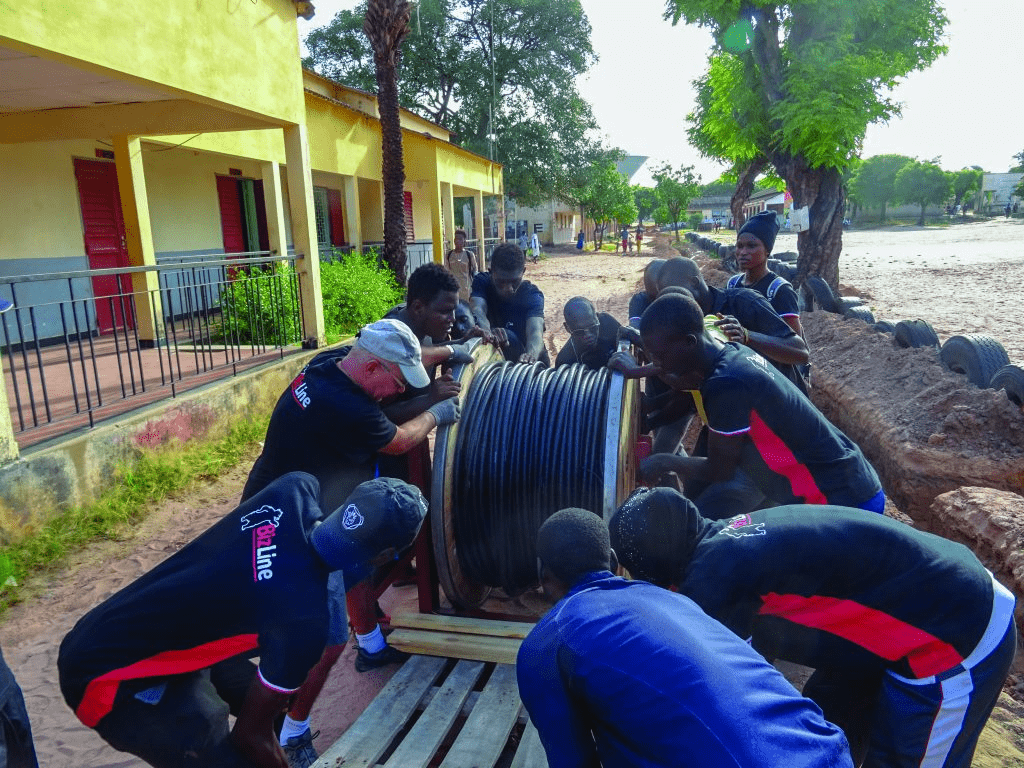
column 135, row 138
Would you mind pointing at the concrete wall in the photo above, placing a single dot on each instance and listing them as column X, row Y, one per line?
column 80, row 467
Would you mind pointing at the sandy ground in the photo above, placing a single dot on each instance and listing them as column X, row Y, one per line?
column 959, row 285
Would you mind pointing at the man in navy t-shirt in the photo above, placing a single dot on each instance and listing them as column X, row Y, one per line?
column 910, row 636
column 509, row 308
column 757, row 421
column 156, row 668
column 620, row 673
column 593, row 337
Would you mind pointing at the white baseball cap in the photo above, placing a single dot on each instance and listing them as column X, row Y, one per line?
column 394, row 341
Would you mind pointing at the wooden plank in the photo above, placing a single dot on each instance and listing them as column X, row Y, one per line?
column 531, row 752
column 462, row 625
column 423, row 739
column 482, row 739
column 367, row 738
column 502, row 650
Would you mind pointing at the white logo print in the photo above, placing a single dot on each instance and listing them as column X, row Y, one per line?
column 352, row 518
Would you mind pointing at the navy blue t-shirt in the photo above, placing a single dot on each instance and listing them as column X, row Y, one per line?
column 797, row 455
column 511, row 314
column 252, row 584
column 623, row 673
column 756, row 314
column 607, row 341
column 784, row 301
column 825, row 586
column 324, row 424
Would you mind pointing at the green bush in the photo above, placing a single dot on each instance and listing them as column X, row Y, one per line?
column 262, row 307
column 357, row 289
column 695, row 220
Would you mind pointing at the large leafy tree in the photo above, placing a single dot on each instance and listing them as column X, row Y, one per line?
column 386, row 24
column 1018, row 167
column 676, row 188
column 964, row 182
column 607, row 197
column 500, row 74
column 923, row 184
column 647, row 202
column 797, row 82
column 874, row 184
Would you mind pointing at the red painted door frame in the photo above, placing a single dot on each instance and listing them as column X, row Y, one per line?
column 105, row 243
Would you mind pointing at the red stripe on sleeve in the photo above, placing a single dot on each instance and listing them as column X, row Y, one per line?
column 780, row 459
column 873, row 630
column 100, row 693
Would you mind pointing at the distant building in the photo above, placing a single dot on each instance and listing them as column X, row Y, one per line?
column 997, row 191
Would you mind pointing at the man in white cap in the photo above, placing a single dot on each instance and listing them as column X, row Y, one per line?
column 157, row 668
column 329, row 423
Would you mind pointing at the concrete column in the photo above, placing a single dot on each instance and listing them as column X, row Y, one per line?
column 131, row 182
column 448, row 211
column 436, row 214
column 8, row 445
column 274, row 201
column 353, row 218
column 300, row 198
column 478, row 223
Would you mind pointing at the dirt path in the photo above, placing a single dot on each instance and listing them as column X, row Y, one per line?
column 31, row 633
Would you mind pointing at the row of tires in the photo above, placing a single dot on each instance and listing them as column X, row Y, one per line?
column 979, row 357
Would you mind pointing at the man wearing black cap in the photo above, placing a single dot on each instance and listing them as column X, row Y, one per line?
column 156, row 668
column 621, row 673
column 910, row 636
column 754, row 243
column 330, row 422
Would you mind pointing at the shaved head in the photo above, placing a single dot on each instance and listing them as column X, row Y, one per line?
column 651, row 276
column 684, row 273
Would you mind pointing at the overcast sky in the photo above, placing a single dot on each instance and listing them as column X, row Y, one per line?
column 967, row 108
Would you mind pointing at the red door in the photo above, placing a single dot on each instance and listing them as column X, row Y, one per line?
column 231, row 224
column 105, row 246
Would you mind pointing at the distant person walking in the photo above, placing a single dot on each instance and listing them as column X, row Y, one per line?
column 579, row 241
column 639, row 239
column 624, row 236
column 1007, row 209
column 462, row 263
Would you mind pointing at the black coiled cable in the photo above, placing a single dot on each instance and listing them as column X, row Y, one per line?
column 530, row 442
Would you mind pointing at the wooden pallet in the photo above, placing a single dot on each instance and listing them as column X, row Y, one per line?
column 459, row 638
column 436, row 709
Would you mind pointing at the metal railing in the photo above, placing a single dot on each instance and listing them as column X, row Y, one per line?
column 81, row 346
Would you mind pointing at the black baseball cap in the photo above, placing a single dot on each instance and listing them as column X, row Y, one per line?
column 379, row 514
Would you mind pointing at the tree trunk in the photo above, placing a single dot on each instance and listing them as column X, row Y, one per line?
column 386, row 24
column 882, row 219
column 746, row 177
column 920, row 221
column 821, row 190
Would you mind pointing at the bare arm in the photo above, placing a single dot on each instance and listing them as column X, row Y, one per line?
column 789, row 351
column 253, row 734
column 440, row 389
column 409, row 434
column 793, row 321
column 478, row 307
column 534, row 342
column 720, row 465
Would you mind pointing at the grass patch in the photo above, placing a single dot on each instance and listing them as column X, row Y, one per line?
column 39, row 548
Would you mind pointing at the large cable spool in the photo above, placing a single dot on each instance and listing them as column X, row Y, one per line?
column 531, row 441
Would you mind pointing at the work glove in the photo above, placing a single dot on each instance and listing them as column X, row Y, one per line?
column 446, row 412
column 460, row 354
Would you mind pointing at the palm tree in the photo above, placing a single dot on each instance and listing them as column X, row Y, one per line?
column 386, row 24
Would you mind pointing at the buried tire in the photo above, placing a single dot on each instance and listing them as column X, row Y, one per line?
column 884, row 326
column 974, row 354
column 914, row 333
column 1011, row 379
column 820, row 294
column 859, row 313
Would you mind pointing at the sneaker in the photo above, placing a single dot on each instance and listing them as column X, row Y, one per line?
column 387, row 655
column 299, row 750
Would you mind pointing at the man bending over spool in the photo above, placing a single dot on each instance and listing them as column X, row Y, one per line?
column 329, row 422
column 157, row 668
column 910, row 636
column 758, row 422
column 620, row 673
column 509, row 308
